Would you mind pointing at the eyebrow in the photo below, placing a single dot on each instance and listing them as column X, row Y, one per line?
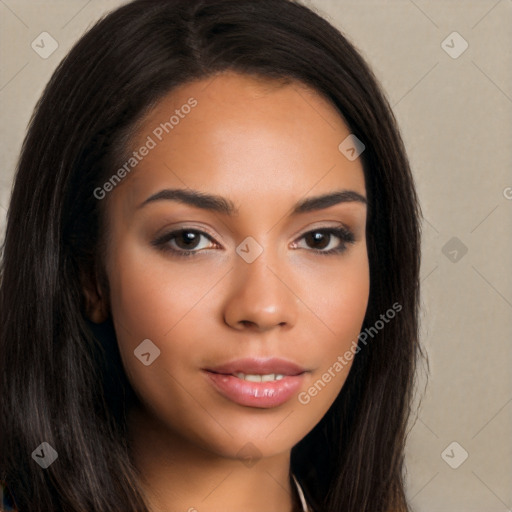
column 225, row 206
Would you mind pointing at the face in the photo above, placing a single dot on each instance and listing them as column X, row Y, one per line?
column 234, row 290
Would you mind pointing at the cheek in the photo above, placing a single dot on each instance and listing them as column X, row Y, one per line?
column 156, row 300
column 340, row 299
column 345, row 299
column 150, row 296
column 337, row 294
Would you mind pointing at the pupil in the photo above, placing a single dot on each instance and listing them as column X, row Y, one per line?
column 317, row 237
column 189, row 238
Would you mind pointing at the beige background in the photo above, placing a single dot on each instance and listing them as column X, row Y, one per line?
column 455, row 116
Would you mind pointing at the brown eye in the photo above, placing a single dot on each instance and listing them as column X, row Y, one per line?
column 184, row 242
column 317, row 239
column 187, row 239
column 323, row 241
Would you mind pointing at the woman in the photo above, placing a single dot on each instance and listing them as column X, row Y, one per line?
column 209, row 294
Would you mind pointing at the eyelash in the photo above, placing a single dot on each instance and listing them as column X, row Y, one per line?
column 346, row 236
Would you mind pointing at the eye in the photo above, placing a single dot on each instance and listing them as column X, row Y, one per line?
column 189, row 242
column 183, row 242
column 323, row 241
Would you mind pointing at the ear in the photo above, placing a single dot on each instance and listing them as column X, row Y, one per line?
column 96, row 304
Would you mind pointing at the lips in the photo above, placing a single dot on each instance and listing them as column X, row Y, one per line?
column 258, row 367
column 260, row 383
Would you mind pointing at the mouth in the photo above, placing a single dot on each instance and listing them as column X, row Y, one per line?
column 260, row 383
column 258, row 367
column 253, row 377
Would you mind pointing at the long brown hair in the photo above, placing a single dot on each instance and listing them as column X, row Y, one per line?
column 61, row 382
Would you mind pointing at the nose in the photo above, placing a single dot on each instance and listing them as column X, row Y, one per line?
column 261, row 296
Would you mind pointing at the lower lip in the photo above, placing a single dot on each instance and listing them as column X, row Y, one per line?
column 256, row 394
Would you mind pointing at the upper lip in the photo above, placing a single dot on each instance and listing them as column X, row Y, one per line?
column 256, row 366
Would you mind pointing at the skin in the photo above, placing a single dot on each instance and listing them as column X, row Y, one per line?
column 264, row 146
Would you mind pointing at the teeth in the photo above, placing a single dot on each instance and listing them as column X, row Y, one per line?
column 259, row 378
column 253, row 378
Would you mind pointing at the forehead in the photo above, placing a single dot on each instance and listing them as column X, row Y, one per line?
column 245, row 137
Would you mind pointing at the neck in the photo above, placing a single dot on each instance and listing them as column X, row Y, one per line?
column 178, row 476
